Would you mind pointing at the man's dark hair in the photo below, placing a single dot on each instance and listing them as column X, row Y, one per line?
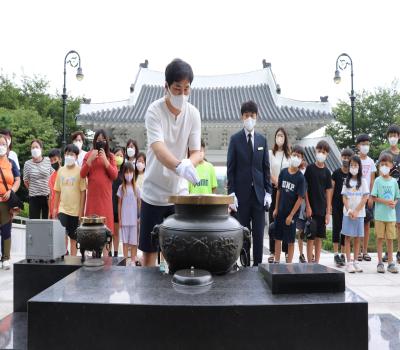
column 347, row 152
column 75, row 134
column 249, row 107
column 386, row 157
column 202, row 143
column 362, row 138
column 323, row 145
column 55, row 152
column 178, row 70
column 393, row 129
column 72, row 148
column 298, row 149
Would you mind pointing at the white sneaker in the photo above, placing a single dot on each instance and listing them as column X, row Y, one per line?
column 350, row 268
column 357, row 267
column 6, row 264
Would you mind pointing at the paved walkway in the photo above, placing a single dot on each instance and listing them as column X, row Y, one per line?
column 382, row 291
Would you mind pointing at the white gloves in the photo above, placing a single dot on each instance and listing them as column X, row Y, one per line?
column 186, row 170
column 235, row 204
column 267, row 199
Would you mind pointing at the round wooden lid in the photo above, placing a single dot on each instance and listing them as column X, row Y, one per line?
column 202, row 199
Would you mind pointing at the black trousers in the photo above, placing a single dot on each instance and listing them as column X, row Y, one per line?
column 38, row 207
column 253, row 212
column 271, row 220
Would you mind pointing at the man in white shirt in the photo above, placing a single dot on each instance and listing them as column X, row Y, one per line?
column 173, row 126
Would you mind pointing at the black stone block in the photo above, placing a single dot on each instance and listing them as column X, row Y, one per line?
column 116, row 308
column 302, row 278
column 33, row 277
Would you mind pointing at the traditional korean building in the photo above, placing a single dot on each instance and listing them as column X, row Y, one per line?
column 218, row 99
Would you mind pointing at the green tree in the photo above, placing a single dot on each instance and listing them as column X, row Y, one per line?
column 27, row 125
column 32, row 94
column 374, row 113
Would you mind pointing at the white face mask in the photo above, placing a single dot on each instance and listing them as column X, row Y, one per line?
column 70, row 160
column 321, row 157
column 249, row 124
column 8, row 142
column 384, row 170
column 36, row 152
column 140, row 166
column 3, row 150
column 280, row 140
column 130, row 152
column 128, row 177
column 177, row 101
column 294, row 161
column 393, row 141
column 364, row 149
column 78, row 144
column 354, row 171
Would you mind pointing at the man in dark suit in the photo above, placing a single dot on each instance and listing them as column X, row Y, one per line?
column 249, row 177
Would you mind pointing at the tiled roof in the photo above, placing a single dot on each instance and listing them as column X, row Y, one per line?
column 332, row 162
column 215, row 105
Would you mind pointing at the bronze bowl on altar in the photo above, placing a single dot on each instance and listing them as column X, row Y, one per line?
column 93, row 235
column 201, row 234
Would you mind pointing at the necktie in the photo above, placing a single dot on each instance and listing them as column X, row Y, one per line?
column 250, row 146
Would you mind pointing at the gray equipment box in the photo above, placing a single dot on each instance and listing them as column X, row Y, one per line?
column 45, row 240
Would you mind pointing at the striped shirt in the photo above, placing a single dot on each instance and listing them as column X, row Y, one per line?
column 38, row 174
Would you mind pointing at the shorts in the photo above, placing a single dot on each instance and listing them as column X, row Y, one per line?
column 369, row 214
column 70, row 223
column 353, row 228
column 317, row 227
column 337, row 220
column 284, row 232
column 398, row 212
column 151, row 215
column 384, row 229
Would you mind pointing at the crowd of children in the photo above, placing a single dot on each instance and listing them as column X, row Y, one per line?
column 351, row 195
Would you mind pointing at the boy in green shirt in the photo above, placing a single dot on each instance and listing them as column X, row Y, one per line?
column 385, row 194
column 206, row 173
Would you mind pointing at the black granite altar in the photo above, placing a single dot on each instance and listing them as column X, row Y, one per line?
column 383, row 332
column 302, row 278
column 33, row 277
column 118, row 307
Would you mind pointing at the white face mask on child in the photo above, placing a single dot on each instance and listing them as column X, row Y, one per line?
column 354, row 171
column 384, row 170
column 128, row 177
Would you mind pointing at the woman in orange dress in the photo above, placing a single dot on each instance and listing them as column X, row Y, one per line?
column 101, row 170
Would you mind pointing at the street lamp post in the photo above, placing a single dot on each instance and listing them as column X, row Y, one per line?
column 342, row 62
column 74, row 61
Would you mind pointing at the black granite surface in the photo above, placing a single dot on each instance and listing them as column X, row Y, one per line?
column 32, row 278
column 13, row 331
column 117, row 307
column 302, row 278
column 383, row 332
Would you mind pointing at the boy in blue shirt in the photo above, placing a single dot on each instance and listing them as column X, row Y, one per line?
column 385, row 194
column 291, row 191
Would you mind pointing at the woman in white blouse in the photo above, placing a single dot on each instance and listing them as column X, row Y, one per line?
column 278, row 160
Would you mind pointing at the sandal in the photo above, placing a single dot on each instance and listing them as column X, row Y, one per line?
column 366, row 257
column 271, row 259
column 360, row 257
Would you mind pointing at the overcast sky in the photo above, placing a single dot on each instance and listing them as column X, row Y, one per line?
column 301, row 39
